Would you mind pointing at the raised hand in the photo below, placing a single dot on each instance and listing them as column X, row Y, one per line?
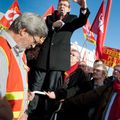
column 82, row 3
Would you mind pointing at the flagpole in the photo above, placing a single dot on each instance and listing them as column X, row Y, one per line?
column 84, row 44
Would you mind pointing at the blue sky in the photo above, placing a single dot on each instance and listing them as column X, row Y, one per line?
column 40, row 6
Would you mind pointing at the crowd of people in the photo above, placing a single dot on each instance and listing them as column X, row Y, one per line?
column 42, row 77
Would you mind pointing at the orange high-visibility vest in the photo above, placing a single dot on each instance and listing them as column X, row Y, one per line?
column 14, row 89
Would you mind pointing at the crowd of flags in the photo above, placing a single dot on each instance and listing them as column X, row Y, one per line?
column 98, row 27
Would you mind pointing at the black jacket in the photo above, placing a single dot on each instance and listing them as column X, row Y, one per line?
column 55, row 52
column 72, row 85
column 75, row 106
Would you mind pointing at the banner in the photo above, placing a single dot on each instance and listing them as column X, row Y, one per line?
column 12, row 13
column 111, row 56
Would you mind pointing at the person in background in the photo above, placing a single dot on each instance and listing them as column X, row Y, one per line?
column 115, row 73
column 96, row 62
column 108, row 97
column 54, row 56
column 73, row 80
column 25, row 32
column 99, row 78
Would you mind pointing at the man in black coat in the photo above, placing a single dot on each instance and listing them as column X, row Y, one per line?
column 54, row 57
column 55, row 52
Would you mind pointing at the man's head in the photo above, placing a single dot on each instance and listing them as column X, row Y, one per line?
column 74, row 54
column 116, row 72
column 100, row 71
column 64, row 7
column 98, row 61
column 28, row 30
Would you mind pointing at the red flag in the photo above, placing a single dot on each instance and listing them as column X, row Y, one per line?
column 107, row 14
column 49, row 11
column 98, row 28
column 87, row 33
column 95, row 25
column 12, row 13
column 95, row 29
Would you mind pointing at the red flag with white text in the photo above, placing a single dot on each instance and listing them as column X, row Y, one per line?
column 12, row 13
column 98, row 28
column 107, row 15
column 95, row 26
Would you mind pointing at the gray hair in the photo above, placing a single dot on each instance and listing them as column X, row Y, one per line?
column 33, row 23
column 104, row 68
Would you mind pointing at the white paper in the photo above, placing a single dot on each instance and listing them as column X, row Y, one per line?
column 39, row 92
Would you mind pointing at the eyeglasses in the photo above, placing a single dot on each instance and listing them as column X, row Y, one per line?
column 34, row 40
column 65, row 5
column 40, row 41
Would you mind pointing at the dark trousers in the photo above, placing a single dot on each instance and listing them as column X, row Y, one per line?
column 41, row 107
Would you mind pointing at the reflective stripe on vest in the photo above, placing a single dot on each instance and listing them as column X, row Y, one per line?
column 16, row 114
column 18, row 96
column 14, row 95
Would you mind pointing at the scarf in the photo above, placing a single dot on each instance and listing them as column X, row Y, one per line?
column 71, row 70
column 115, row 109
